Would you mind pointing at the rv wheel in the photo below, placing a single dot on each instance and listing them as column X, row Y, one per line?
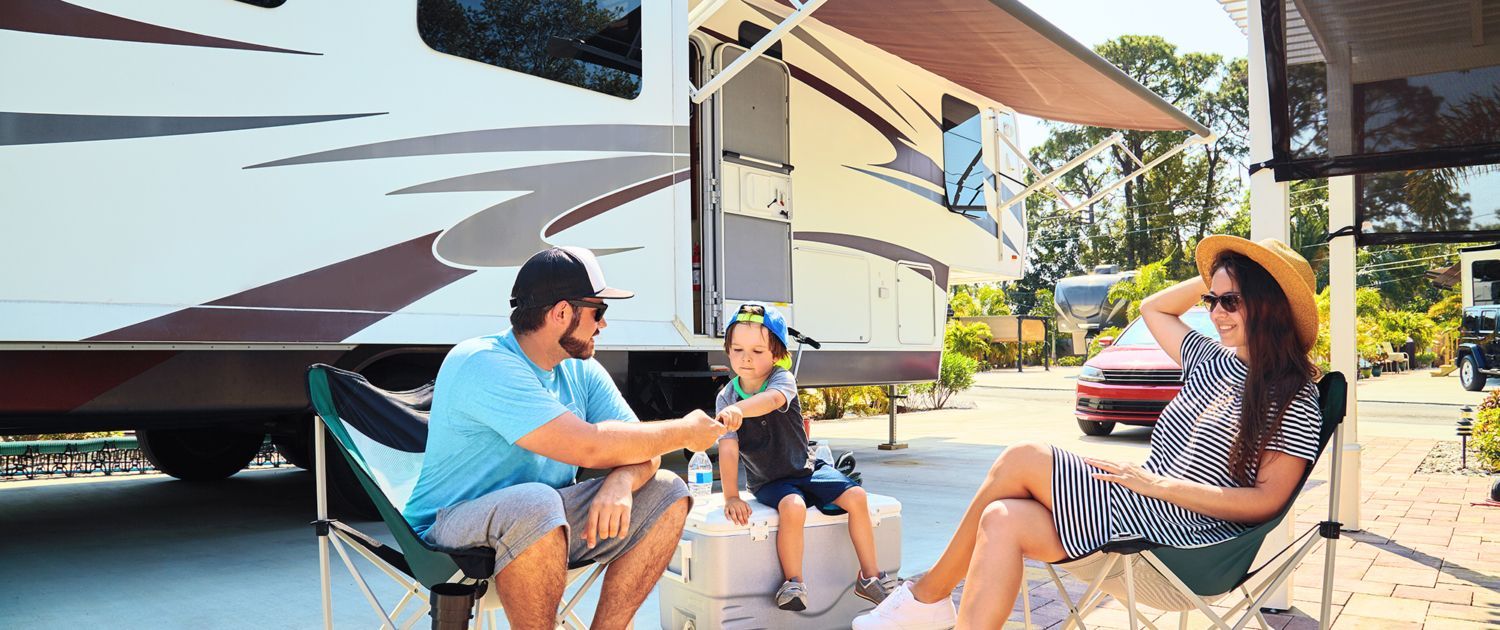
column 1098, row 429
column 200, row 454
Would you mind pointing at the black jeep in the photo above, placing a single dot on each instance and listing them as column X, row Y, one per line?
column 1478, row 346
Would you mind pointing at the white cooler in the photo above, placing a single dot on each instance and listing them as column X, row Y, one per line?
column 725, row 575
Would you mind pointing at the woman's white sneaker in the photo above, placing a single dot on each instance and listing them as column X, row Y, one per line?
column 902, row 611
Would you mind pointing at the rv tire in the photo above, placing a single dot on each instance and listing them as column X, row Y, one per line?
column 1097, row 429
column 202, row 454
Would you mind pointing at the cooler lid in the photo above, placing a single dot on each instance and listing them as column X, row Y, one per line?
column 707, row 517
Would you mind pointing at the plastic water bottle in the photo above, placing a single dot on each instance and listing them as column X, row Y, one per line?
column 824, row 453
column 700, row 476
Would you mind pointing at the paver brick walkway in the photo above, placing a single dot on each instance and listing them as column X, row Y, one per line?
column 1425, row 558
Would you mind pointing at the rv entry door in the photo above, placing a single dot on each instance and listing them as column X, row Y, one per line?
column 754, row 209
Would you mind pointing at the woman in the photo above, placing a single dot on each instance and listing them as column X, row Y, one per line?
column 1227, row 453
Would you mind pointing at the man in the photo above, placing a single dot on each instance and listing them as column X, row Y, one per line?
column 514, row 416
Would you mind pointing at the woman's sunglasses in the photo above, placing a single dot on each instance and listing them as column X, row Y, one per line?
column 1230, row 301
column 599, row 307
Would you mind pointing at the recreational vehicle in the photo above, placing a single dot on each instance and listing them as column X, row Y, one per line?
column 203, row 197
column 1084, row 307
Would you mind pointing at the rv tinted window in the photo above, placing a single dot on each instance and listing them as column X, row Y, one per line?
column 963, row 169
column 593, row 44
column 1486, row 279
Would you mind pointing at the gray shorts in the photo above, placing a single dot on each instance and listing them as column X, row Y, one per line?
column 511, row 519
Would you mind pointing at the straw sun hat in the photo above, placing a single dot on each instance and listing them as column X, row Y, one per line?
column 1289, row 268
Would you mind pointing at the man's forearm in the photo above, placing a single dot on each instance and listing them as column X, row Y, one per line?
column 617, row 444
column 636, row 474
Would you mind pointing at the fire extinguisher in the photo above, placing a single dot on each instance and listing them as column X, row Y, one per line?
column 697, row 269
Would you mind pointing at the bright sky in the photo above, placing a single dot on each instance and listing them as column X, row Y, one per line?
column 1193, row 25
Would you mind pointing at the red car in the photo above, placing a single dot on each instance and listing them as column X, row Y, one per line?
column 1132, row 379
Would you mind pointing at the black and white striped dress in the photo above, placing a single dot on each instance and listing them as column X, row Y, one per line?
column 1192, row 441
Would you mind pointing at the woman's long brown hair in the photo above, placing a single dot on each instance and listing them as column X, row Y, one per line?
column 1279, row 367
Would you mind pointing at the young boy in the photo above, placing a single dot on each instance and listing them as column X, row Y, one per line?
column 762, row 400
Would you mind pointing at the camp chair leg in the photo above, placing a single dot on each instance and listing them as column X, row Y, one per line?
column 1182, row 620
column 320, row 478
column 1183, row 588
column 1130, row 592
column 565, row 617
column 1025, row 599
column 363, row 586
column 1088, row 601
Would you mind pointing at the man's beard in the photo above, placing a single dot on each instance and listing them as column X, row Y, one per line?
column 576, row 348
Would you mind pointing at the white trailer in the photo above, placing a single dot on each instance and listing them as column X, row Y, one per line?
column 203, row 197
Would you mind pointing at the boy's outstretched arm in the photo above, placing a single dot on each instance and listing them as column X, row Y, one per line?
column 729, row 473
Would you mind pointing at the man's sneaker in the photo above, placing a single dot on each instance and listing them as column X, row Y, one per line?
column 902, row 611
column 877, row 588
column 791, row 596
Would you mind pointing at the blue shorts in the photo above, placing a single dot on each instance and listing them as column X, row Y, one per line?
column 818, row 490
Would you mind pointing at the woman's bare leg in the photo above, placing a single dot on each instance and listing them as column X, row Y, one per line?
column 1009, row 530
column 1023, row 471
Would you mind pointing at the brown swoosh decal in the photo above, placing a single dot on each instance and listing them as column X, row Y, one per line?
column 56, row 381
column 613, row 200
column 888, row 251
column 325, row 305
column 55, row 17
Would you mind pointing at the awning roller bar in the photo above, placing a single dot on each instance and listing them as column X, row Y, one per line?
column 800, row 11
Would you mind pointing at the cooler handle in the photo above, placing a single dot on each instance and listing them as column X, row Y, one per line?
column 685, row 552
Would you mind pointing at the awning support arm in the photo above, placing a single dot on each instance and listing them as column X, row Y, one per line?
column 800, row 11
column 1195, row 140
column 1045, row 180
column 700, row 14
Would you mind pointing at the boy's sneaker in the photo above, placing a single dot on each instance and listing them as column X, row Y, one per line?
column 877, row 588
column 792, row 596
column 902, row 611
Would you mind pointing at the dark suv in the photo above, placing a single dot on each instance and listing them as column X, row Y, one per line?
column 1478, row 346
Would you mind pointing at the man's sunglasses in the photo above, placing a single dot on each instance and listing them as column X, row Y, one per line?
column 599, row 307
column 1230, row 301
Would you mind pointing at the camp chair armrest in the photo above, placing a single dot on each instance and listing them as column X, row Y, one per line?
column 1129, row 545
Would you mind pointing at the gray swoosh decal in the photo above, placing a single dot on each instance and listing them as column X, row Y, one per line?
column 638, row 138
column 934, row 197
column 929, row 115
column 1005, row 238
column 28, row 128
column 507, row 233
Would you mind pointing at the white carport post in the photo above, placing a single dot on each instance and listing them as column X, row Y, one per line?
column 1270, row 217
column 1342, row 325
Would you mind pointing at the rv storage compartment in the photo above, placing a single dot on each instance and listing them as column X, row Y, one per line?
column 724, row 575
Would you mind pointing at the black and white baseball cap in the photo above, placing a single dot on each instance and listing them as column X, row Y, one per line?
column 561, row 273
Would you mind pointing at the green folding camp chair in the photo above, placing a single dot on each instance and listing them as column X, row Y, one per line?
column 383, row 435
column 1138, row 571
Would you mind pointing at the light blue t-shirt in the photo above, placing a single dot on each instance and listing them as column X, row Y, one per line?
column 489, row 395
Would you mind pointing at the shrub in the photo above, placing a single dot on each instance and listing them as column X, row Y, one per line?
column 1072, row 360
column 835, row 402
column 971, row 340
column 1486, row 438
column 60, row 436
column 1425, row 359
column 870, row 400
column 812, row 402
column 955, row 375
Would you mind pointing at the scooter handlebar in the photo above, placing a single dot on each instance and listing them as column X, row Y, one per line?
column 804, row 339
